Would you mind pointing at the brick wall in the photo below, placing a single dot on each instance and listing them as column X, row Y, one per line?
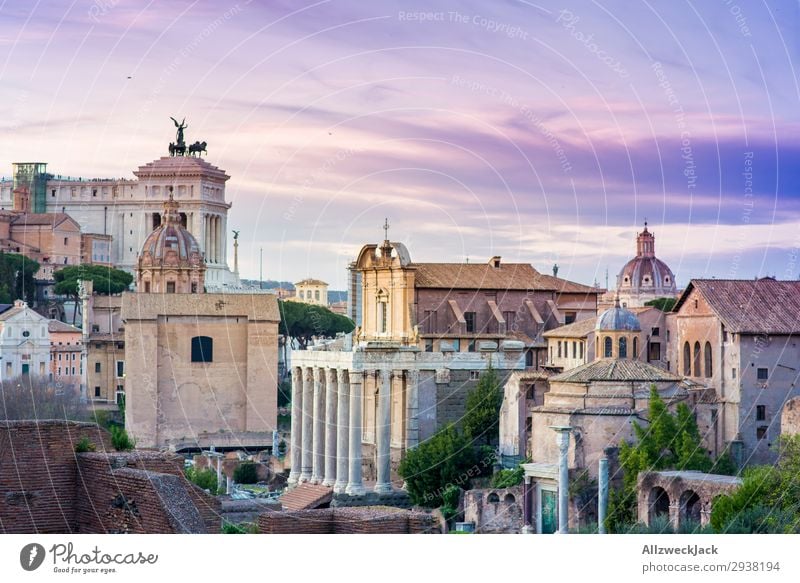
column 367, row 520
column 38, row 476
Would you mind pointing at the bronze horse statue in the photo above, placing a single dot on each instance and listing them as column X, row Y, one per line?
column 177, row 149
column 197, row 148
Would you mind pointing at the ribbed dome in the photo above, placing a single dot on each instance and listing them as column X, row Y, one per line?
column 616, row 319
column 171, row 242
column 645, row 273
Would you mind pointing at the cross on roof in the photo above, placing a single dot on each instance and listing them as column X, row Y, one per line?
column 386, row 229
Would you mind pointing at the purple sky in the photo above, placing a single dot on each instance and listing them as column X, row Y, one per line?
column 542, row 132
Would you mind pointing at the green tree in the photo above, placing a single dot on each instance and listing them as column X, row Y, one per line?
column 205, row 478
column 482, row 416
column 663, row 304
column 670, row 441
column 303, row 322
column 245, row 473
column 106, row 280
column 446, row 459
column 16, row 278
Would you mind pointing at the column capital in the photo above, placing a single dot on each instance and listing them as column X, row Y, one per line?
column 330, row 375
column 342, row 376
column 318, row 374
column 356, row 377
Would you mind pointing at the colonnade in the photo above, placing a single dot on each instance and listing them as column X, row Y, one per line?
column 327, row 426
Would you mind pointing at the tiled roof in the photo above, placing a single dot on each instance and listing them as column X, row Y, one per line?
column 762, row 306
column 306, row 496
column 311, row 281
column 480, row 276
column 608, row 369
column 52, row 219
column 579, row 329
column 59, row 326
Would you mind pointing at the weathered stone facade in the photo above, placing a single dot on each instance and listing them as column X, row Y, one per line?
column 494, row 511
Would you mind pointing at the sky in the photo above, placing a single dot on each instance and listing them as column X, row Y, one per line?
column 544, row 132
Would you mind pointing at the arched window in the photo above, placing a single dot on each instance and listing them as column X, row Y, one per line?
column 202, row 349
column 382, row 315
column 696, row 366
column 687, row 360
column 635, row 347
column 608, row 347
column 623, row 347
column 707, row 357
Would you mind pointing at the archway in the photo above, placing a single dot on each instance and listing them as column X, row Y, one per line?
column 658, row 503
column 690, row 507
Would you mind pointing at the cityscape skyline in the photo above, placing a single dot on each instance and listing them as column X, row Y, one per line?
column 331, row 116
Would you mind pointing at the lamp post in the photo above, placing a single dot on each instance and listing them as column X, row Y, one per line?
column 562, row 439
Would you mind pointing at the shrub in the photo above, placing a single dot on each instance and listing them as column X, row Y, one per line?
column 508, row 478
column 242, row 528
column 450, row 501
column 84, row 445
column 205, row 478
column 246, row 473
column 120, row 439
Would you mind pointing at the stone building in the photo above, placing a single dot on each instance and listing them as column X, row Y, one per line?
column 24, row 343
column 66, row 355
column 105, row 374
column 643, row 278
column 311, row 291
column 129, row 209
column 201, row 368
column 427, row 332
column 740, row 338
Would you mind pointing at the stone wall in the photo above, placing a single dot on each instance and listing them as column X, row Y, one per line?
column 39, row 474
column 494, row 511
column 366, row 520
column 790, row 418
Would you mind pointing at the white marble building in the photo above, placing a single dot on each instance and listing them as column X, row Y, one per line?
column 24, row 343
column 129, row 209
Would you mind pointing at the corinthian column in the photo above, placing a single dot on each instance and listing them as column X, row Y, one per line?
column 342, row 430
column 354, row 485
column 412, row 409
column 318, row 468
column 307, row 462
column 330, row 427
column 383, row 430
column 297, row 421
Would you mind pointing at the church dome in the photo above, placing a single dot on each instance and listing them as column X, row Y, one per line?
column 171, row 243
column 618, row 319
column 645, row 274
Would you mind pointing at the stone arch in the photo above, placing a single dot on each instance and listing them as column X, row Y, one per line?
column 493, row 498
column 687, row 360
column 658, row 503
column 696, row 359
column 509, row 499
column 707, row 368
column 690, row 506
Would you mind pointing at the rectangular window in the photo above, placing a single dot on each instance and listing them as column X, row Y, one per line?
column 761, row 432
column 529, row 358
column 170, row 287
column 147, row 287
column 733, row 372
column 470, row 319
column 66, row 240
column 761, row 412
column 574, row 349
column 120, row 395
column 430, row 322
column 457, row 345
column 428, row 345
column 120, row 368
column 474, row 375
column 582, row 349
column 96, row 367
column 471, row 346
column 763, row 374
column 97, row 391
column 655, row 331
column 559, row 349
column 569, row 317
column 202, row 349
column 655, row 351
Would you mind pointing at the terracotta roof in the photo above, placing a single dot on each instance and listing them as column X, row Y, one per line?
column 579, row 329
column 306, row 496
column 59, row 326
column 609, row 369
column 509, row 276
column 52, row 219
column 762, row 306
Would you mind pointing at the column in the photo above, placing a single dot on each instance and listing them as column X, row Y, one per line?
column 342, row 430
column 383, row 432
column 219, row 238
column 562, row 439
column 527, row 513
column 318, row 468
column 307, row 461
column 602, row 495
column 297, row 423
column 354, row 485
column 412, row 409
column 330, row 427
column 206, row 247
column 216, row 238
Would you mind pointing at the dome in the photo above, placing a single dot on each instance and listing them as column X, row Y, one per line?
column 645, row 274
column 171, row 243
column 617, row 319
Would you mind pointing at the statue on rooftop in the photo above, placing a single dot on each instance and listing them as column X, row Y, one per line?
column 179, row 135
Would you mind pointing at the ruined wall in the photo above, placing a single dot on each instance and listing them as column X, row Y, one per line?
column 790, row 418
column 39, row 473
column 366, row 520
column 494, row 511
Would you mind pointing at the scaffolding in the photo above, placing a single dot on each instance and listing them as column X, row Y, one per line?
column 33, row 176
